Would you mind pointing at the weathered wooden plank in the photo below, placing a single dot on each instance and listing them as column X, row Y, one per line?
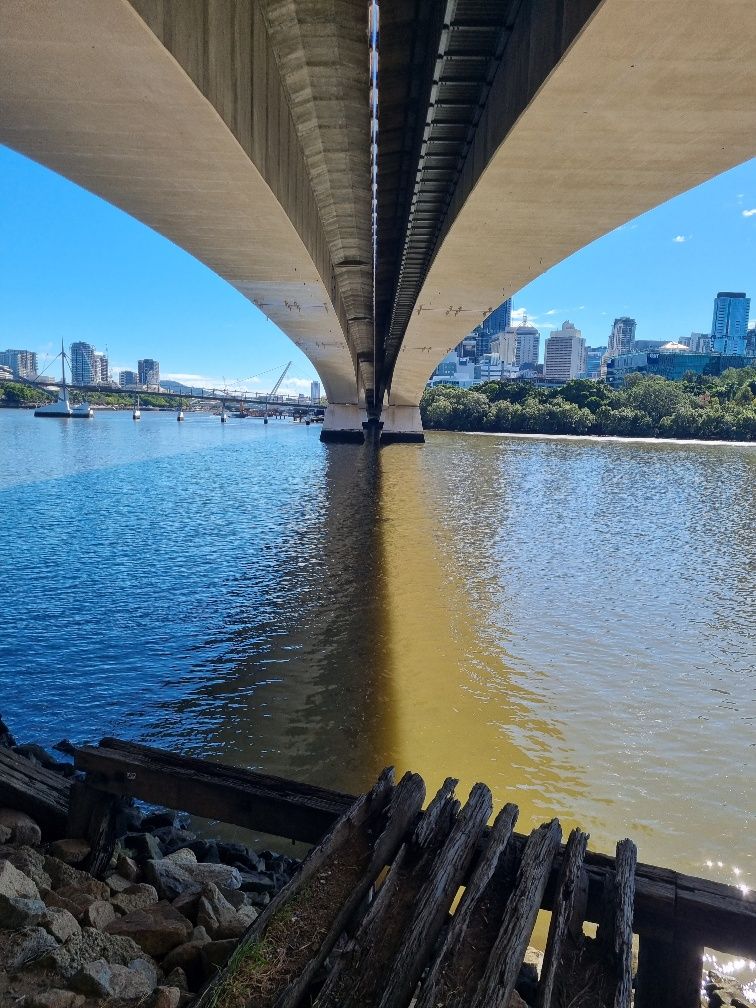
column 461, row 959
column 243, row 797
column 669, row 974
column 93, row 815
column 570, row 896
column 503, row 967
column 435, row 898
column 359, row 975
column 280, row 954
column 622, row 938
column 42, row 794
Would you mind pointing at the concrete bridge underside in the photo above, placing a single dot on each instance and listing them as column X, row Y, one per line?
column 511, row 134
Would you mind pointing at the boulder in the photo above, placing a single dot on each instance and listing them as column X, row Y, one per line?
column 235, row 897
column 237, row 855
column 217, row 874
column 147, row 968
column 216, row 954
column 127, row 867
column 183, row 856
column 156, row 929
column 117, row 883
column 177, row 978
column 14, row 883
column 72, row 850
column 18, row 948
column 172, row 839
column 5, row 834
column 89, row 945
column 247, row 915
column 128, row 821
column 206, row 851
column 164, row 818
column 169, row 878
column 186, row 957
column 32, row 864
column 131, row 984
column 64, row 878
column 257, row 882
column 165, row 997
column 23, row 828
column 137, row 897
column 60, row 923
column 95, row 979
column 217, row 916
column 144, row 845
column 187, row 903
column 98, row 915
column 19, row 912
column 69, row 899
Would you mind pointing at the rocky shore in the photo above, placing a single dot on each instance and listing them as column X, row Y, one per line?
column 166, row 915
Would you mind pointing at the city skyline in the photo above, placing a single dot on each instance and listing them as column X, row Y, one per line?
column 78, row 269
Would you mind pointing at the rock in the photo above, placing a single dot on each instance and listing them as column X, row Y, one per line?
column 23, row 828
column 157, row 929
column 527, row 982
column 147, row 968
column 60, row 923
column 237, row 854
column 515, row 1001
column 217, row 916
column 6, row 739
column 163, row 819
column 128, row 821
column 185, row 957
column 65, row 878
column 32, row 864
column 187, row 903
column 136, row 897
column 131, row 984
column 257, row 882
column 258, row 899
column 98, row 915
column 199, row 934
column 117, row 883
column 89, row 945
column 216, row 954
column 94, row 979
column 71, row 851
column 172, row 839
column 127, row 867
column 165, row 997
column 235, row 897
column 217, row 874
column 69, row 899
column 247, row 915
column 56, row 998
column 170, row 879
column 17, row 948
column 206, row 851
column 14, row 883
column 5, row 834
column 183, row 856
column 144, row 845
column 177, row 978
column 19, row 912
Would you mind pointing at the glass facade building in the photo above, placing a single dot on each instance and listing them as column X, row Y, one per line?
column 729, row 324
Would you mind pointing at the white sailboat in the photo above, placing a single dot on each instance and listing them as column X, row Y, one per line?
column 137, row 414
column 62, row 409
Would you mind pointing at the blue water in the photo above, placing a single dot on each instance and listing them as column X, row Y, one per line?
column 571, row 622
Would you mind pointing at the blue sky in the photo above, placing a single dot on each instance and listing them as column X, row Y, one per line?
column 73, row 267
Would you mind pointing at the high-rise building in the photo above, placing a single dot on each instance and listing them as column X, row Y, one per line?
column 751, row 342
column 622, row 336
column 527, row 343
column 593, row 357
column 126, row 378
column 564, row 354
column 22, row 363
column 100, row 368
column 82, row 364
column 315, row 391
column 498, row 320
column 149, row 371
column 505, row 345
column 730, row 322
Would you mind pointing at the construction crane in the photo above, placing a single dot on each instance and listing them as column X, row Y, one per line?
column 273, row 391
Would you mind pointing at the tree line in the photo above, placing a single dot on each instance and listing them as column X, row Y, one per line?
column 698, row 406
column 17, row 394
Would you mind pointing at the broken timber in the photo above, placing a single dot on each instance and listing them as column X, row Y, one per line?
column 41, row 793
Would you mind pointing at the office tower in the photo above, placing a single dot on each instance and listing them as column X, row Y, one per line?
column 315, row 391
column 82, row 364
column 498, row 320
column 505, row 345
column 128, row 378
column 730, row 323
column 564, row 354
column 149, row 371
column 593, row 356
column 22, row 363
column 622, row 336
column 527, row 343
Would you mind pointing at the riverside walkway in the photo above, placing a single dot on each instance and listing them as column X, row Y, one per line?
column 367, row 920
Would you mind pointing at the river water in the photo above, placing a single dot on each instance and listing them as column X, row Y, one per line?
column 571, row 622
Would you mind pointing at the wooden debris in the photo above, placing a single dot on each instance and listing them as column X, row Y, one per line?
column 41, row 793
column 277, row 959
column 503, row 966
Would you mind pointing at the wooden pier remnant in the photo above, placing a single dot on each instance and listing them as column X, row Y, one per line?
column 369, row 919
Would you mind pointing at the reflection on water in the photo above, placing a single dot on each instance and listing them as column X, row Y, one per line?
column 571, row 622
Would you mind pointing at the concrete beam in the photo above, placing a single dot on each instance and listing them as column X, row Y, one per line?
column 401, row 424
column 344, row 423
column 647, row 101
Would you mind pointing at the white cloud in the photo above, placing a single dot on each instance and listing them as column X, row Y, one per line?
column 290, row 386
column 680, row 238
column 749, row 213
column 552, row 311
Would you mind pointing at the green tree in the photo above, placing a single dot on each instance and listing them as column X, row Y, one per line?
column 655, row 396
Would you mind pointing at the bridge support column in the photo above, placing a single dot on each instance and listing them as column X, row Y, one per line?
column 344, row 422
column 401, row 424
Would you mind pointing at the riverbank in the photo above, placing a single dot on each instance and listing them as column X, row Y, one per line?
column 609, row 438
